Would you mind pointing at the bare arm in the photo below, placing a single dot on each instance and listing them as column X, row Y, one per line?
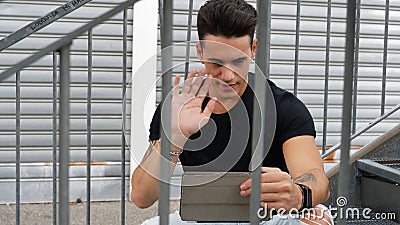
column 305, row 165
column 304, row 162
column 145, row 178
column 187, row 117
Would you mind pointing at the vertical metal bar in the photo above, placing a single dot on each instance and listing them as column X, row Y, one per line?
column 54, row 138
column 64, row 134
column 166, row 62
column 160, row 13
column 255, row 186
column 124, row 66
column 356, row 56
column 89, row 126
column 18, row 148
column 344, row 175
column 267, row 40
column 258, row 145
column 296, row 53
column 327, row 64
column 188, row 38
column 385, row 45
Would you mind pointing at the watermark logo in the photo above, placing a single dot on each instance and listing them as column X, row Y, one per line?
column 343, row 212
column 319, row 212
column 341, row 201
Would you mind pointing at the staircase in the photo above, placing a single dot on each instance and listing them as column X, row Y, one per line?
column 375, row 179
column 43, row 23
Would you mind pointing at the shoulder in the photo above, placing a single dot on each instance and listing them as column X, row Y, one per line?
column 285, row 101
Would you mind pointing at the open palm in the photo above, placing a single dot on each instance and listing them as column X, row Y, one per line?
column 187, row 116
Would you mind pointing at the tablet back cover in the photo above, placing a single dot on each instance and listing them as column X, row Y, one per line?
column 214, row 197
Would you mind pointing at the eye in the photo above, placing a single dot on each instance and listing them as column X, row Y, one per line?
column 238, row 62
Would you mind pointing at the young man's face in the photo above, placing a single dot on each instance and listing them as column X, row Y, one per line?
column 228, row 61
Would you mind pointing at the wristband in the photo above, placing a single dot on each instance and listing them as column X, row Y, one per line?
column 306, row 196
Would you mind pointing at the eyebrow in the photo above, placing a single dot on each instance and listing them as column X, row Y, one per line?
column 240, row 59
column 216, row 60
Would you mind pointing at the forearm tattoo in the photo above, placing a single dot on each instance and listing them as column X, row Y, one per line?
column 308, row 177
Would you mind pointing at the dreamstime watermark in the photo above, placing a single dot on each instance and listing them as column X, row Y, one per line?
column 318, row 213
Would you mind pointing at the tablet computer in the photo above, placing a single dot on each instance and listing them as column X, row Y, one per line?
column 214, row 197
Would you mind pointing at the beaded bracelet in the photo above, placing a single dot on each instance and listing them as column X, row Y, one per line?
column 175, row 153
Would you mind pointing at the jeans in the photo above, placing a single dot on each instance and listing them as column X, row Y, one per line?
column 175, row 219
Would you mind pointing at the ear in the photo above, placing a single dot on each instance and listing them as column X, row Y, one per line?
column 199, row 52
column 254, row 49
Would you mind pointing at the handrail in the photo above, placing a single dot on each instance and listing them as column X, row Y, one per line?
column 41, row 23
column 63, row 46
column 65, row 40
column 363, row 130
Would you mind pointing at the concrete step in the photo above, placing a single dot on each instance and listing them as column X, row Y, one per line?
column 334, row 158
column 76, row 169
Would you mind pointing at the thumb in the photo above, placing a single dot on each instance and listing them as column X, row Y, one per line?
column 207, row 112
column 209, row 107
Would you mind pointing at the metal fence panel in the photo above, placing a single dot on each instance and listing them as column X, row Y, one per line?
column 38, row 88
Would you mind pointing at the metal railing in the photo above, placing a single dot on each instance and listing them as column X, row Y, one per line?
column 166, row 64
column 344, row 176
column 355, row 76
column 41, row 23
column 362, row 130
column 61, row 49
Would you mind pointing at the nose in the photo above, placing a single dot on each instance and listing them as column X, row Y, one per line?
column 226, row 74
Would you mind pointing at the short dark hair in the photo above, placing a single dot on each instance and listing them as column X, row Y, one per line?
column 228, row 18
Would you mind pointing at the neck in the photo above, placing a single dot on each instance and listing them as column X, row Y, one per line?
column 224, row 105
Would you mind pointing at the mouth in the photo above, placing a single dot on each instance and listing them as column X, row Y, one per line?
column 227, row 86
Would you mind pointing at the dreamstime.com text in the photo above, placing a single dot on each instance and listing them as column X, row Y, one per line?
column 339, row 212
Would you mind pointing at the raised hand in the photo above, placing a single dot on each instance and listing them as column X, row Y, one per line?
column 187, row 117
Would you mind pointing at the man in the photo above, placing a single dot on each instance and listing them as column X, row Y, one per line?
column 226, row 48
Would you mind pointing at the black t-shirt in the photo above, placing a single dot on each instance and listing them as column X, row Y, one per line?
column 224, row 143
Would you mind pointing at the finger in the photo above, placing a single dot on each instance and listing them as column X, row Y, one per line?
column 176, row 85
column 196, row 84
column 270, row 183
column 274, row 177
column 269, row 169
column 206, row 85
column 265, row 188
column 245, row 193
column 247, row 184
column 188, row 82
column 209, row 107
